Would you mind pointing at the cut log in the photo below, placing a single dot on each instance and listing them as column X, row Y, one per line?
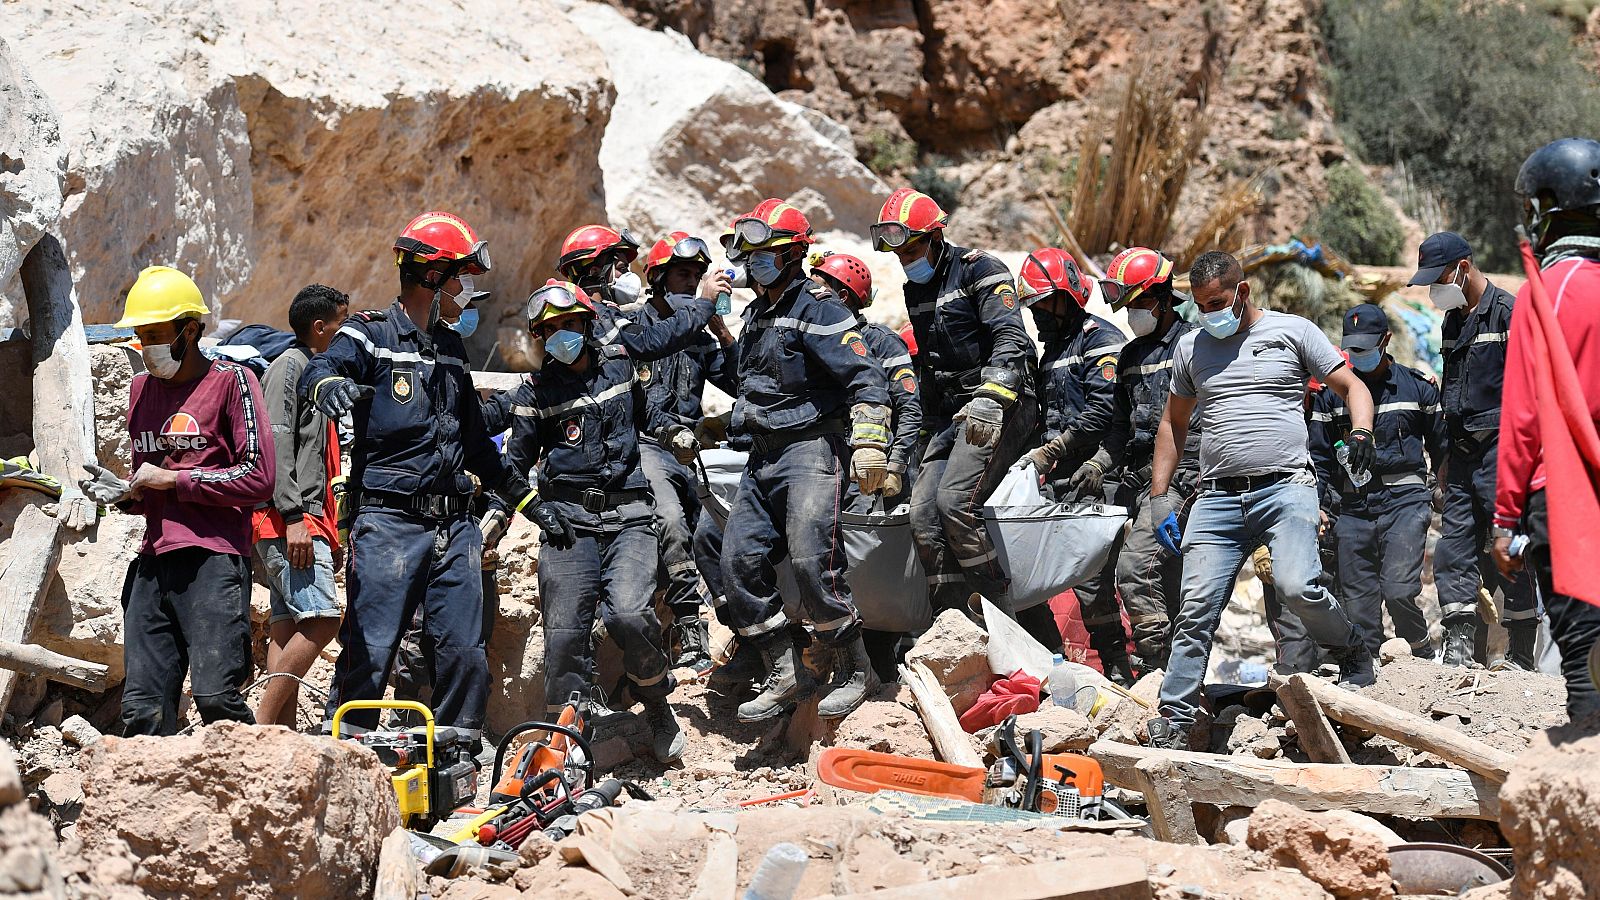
column 1241, row 781
column 1171, row 810
column 397, row 869
column 31, row 659
column 63, row 388
column 939, row 717
column 1103, row 878
column 1417, row 732
column 27, row 561
column 1312, row 728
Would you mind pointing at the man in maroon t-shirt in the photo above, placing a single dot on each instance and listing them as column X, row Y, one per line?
column 202, row 460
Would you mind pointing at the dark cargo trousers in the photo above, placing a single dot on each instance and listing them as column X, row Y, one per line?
column 1574, row 624
column 1380, row 549
column 610, row 571
column 1461, row 564
column 947, row 509
column 677, row 512
column 1149, row 579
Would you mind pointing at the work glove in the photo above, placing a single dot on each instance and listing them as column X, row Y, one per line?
column 1362, row 452
column 557, row 530
column 1088, row 482
column 77, row 511
column 869, row 466
column 1168, row 534
column 682, row 445
column 493, row 526
column 337, row 395
column 102, row 486
column 892, row 479
column 984, row 416
column 343, row 513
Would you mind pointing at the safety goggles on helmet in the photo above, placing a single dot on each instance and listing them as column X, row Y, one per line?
column 691, row 248
column 750, row 232
column 475, row 262
column 888, row 236
column 554, row 300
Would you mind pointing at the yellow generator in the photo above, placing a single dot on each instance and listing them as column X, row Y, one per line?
column 434, row 770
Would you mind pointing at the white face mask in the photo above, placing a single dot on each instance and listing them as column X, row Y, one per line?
column 627, row 288
column 1142, row 321
column 159, row 361
column 1448, row 296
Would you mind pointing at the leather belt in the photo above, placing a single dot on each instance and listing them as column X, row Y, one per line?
column 1241, row 484
column 593, row 499
column 769, row 444
column 433, row 506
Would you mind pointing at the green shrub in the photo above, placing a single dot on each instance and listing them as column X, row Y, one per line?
column 1354, row 222
column 887, row 154
column 931, row 180
column 1461, row 91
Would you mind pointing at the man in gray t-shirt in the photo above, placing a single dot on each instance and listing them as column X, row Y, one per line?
column 1245, row 376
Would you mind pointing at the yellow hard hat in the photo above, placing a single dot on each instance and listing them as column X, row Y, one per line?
column 161, row 294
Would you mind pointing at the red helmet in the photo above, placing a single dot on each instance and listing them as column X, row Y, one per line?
column 679, row 245
column 850, row 273
column 1048, row 270
column 1134, row 271
column 588, row 243
column 435, row 236
column 773, row 223
column 906, row 216
column 557, row 298
column 909, row 335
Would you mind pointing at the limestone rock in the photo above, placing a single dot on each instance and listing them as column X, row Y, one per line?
column 82, row 611
column 33, row 167
column 1350, row 862
column 233, row 811
column 1393, row 649
column 886, row 723
column 1063, row 730
column 259, row 146
column 1548, row 811
column 516, row 648
column 957, row 653
column 28, row 867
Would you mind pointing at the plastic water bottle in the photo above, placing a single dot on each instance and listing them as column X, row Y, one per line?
column 1063, row 686
column 779, row 874
column 1342, row 453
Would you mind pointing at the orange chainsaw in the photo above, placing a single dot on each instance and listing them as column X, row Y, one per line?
column 1059, row 784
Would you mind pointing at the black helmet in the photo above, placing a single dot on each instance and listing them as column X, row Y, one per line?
column 1562, row 176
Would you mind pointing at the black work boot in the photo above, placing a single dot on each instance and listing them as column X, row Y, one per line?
column 787, row 680
column 1164, row 735
column 742, row 668
column 1355, row 666
column 1524, row 636
column 1112, row 645
column 693, row 640
column 852, row 680
column 1458, row 640
column 667, row 738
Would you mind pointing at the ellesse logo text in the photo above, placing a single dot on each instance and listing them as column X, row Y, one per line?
column 180, row 432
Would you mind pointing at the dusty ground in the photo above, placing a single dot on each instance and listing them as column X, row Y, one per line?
column 1504, row 709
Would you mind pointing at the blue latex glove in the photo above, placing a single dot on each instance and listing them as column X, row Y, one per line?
column 1168, row 534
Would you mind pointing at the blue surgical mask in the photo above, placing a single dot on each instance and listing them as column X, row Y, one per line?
column 467, row 324
column 764, row 267
column 1224, row 322
column 564, row 346
column 919, row 270
column 1366, row 360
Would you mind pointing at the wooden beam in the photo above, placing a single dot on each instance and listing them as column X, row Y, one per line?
column 1242, row 781
column 63, row 387
column 27, row 560
column 31, row 659
column 1407, row 728
column 939, row 717
column 397, row 870
column 1312, row 728
column 1171, row 810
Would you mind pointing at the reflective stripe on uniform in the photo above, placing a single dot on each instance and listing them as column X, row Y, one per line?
column 835, row 624
column 977, row 560
column 778, row 620
column 1096, row 353
column 396, row 355
column 903, row 360
column 546, row 412
column 807, row 327
column 646, row 682
column 1518, row 615
column 946, row 579
column 939, row 303
column 529, row 498
column 683, row 566
column 1151, row 368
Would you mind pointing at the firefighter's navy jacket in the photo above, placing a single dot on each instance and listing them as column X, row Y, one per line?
column 1474, row 348
column 904, row 397
column 1408, row 432
column 1080, row 376
column 674, row 385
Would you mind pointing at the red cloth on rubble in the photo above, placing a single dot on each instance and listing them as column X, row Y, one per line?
column 1013, row 695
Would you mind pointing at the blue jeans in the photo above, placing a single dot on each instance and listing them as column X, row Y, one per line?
column 298, row 594
column 1222, row 531
column 398, row 561
column 610, row 569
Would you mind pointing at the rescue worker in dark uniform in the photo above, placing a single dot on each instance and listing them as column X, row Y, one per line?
column 1078, row 366
column 977, row 375
column 674, row 387
column 1381, row 527
column 1477, row 321
column 851, row 282
column 816, row 406
column 597, row 258
column 419, row 431
column 1139, row 280
column 578, row 420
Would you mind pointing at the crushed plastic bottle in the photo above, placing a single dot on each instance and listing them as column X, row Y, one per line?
column 1342, row 453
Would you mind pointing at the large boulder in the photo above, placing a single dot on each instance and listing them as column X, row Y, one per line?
column 232, row 811
column 263, row 146
column 28, row 869
column 1549, row 810
column 33, row 165
column 1351, row 863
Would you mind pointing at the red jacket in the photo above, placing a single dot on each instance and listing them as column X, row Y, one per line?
column 215, row 430
column 1574, row 288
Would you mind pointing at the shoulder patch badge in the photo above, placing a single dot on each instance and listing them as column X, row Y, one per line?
column 401, row 386
column 907, row 379
column 1007, row 294
column 852, row 339
column 1108, row 367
